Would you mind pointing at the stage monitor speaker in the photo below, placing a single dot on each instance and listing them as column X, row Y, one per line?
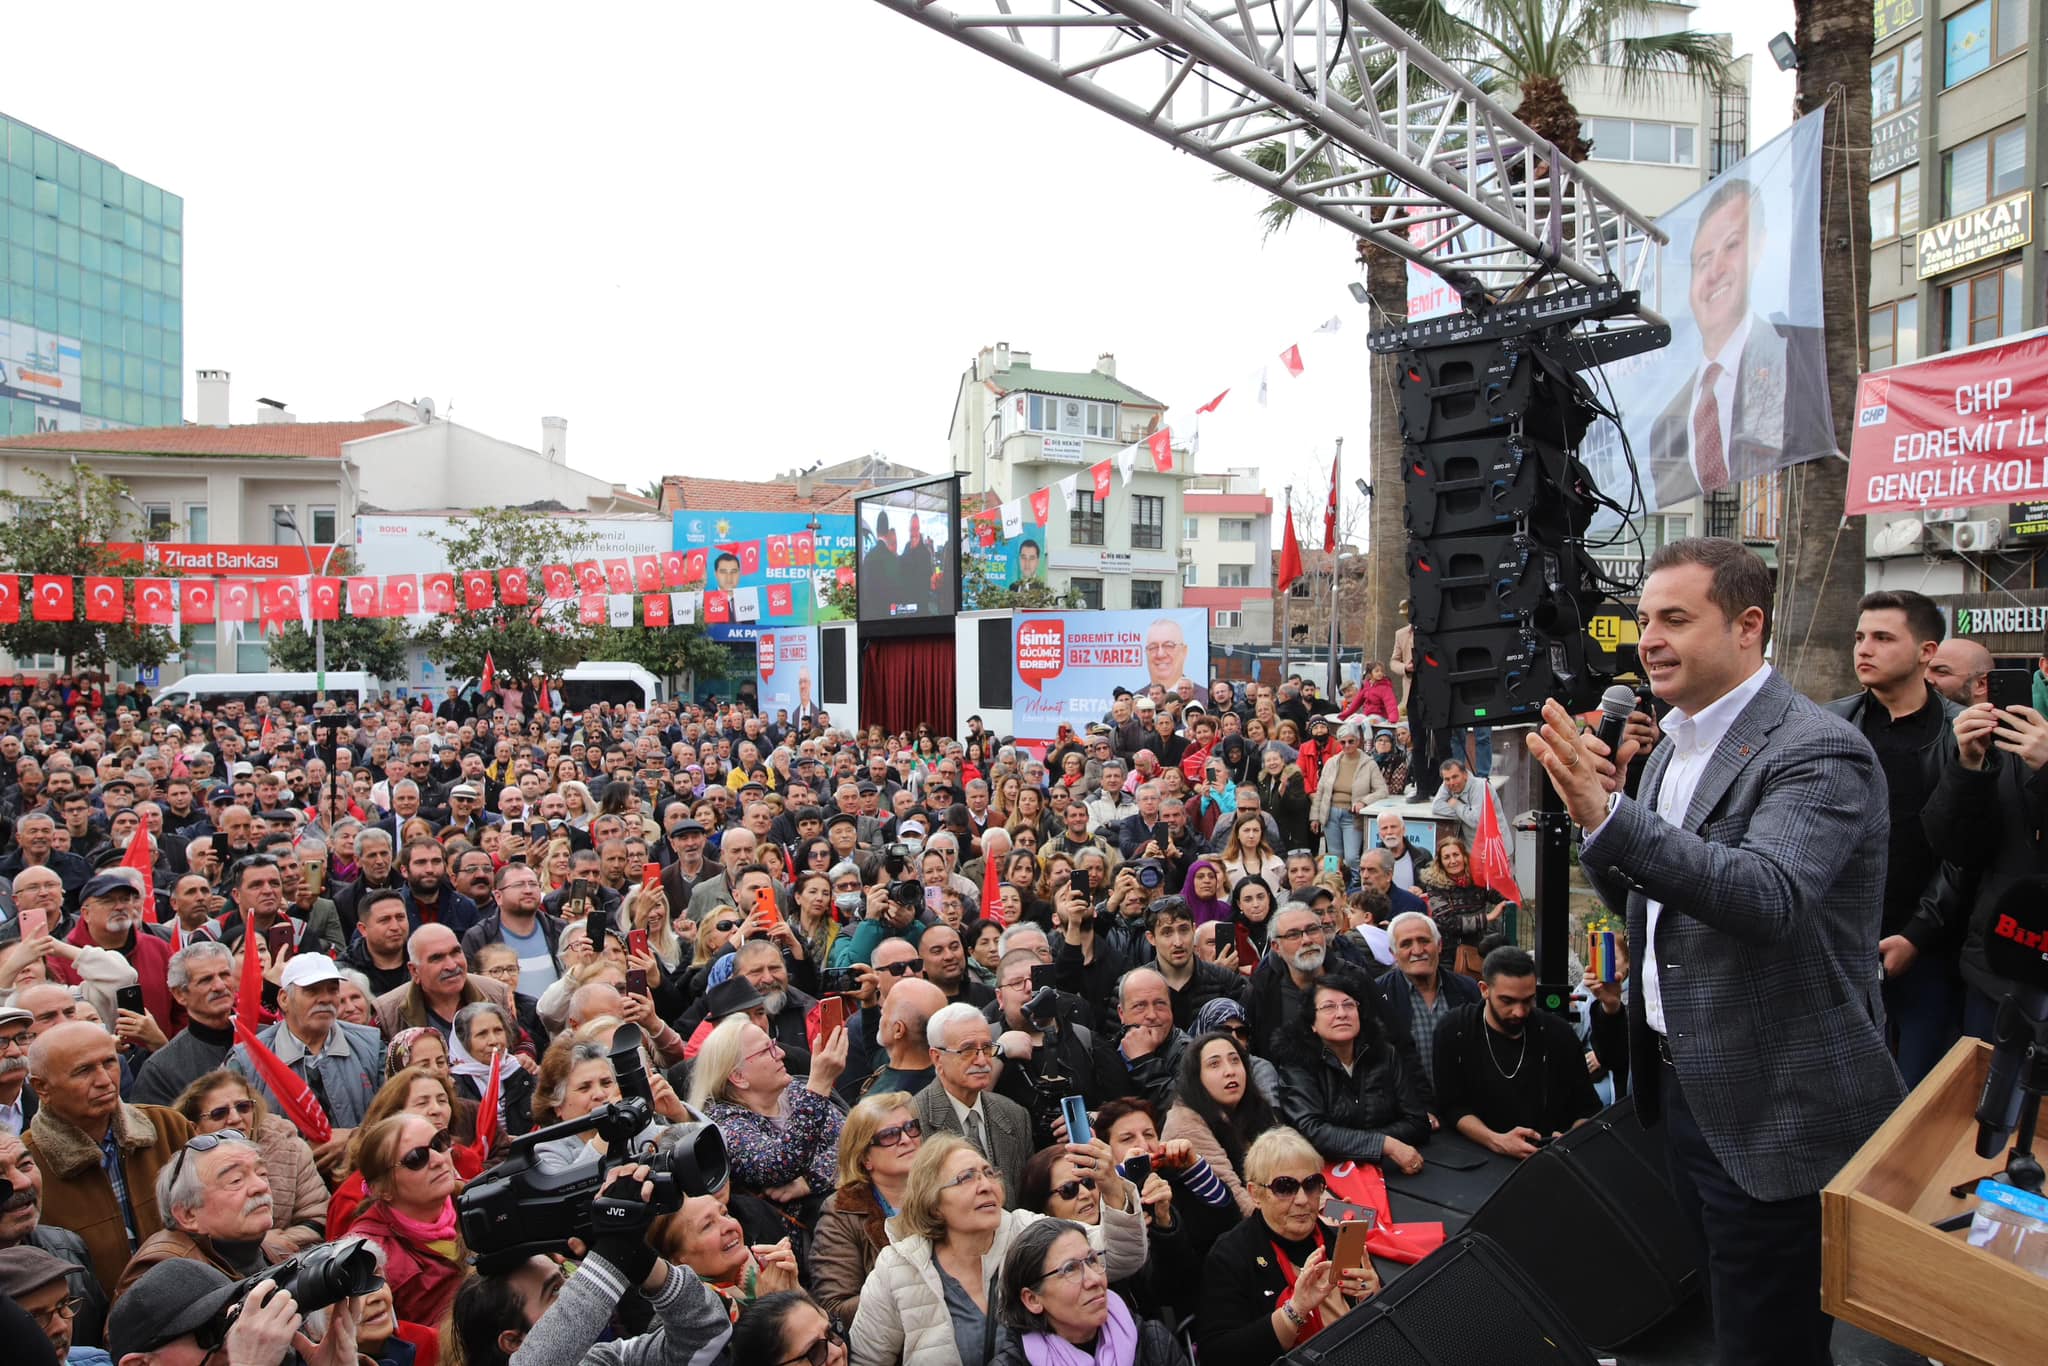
column 1631, row 1259
column 995, row 654
column 1465, row 1303
column 832, row 668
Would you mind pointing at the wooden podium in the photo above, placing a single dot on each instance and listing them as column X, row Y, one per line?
column 1884, row 1265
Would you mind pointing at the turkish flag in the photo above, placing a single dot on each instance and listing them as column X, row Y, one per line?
column 10, row 597
column 618, row 576
column 656, row 609
column 153, row 602
column 590, row 609
column 778, row 552
column 675, row 566
column 196, row 601
column 437, row 593
column 1101, row 473
column 750, row 557
column 693, row 566
column 53, row 598
column 1161, row 443
column 326, row 597
column 558, row 581
column 780, row 601
column 1041, row 506
column 106, row 599
column 647, row 573
column 477, row 590
column 141, row 856
column 590, row 576
column 280, row 599
column 238, row 600
column 401, row 596
column 803, row 550
column 717, row 606
column 362, row 597
column 515, row 587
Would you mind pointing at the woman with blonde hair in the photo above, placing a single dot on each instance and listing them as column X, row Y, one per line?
column 577, row 805
column 928, row 1299
column 877, row 1145
column 781, row 1132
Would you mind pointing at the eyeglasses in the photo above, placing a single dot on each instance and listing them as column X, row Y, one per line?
column 819, row 1352
column 726, row 926
column 204, row 1143
column 1302, row 933
column 1337, row 1008
column 67, row 1307
column 972, row 1050
column 1301, row 853
column 417, row 1158
column 896, row 1133
column 972, row 1175
column 773, row 1047
column 1067, row 1190
column 1287, row 1187
column 1077, row 1268
column 902, row 967
column 240, row 1109
column 21, row 1040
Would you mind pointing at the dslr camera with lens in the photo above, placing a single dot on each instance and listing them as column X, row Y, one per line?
column 515, row 1211
column 323, row 1275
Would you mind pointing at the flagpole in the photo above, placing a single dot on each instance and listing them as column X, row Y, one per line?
column 1330, row 688
column 1286, row 595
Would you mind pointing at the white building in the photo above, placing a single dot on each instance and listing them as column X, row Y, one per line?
column 1017, row 429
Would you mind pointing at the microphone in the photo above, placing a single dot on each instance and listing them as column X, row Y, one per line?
column 2015, row 948
column 1617, row 704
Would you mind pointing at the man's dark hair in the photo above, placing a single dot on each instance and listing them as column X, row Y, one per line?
column 370, row 900
column 1727, row 191
column 242, row 867
column 1507, row 961
column 486, row 1306
column 1741, row 580
column 1162, row 909
column 422, row 842
column 1923, row 618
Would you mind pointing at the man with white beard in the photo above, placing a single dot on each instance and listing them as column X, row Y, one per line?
column 215, row 1199
column 110, row 918
column 762, row 965
column 1285, row 981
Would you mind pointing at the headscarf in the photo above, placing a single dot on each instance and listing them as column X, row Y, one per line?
column 1205, row 908
column 1216, row 1014
column 398, row 1056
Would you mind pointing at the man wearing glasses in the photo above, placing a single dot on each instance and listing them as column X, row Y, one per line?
column 21, row 1226
column 960, row 1101
column 40, row 1284
column 1296, row 955
column 520, row 923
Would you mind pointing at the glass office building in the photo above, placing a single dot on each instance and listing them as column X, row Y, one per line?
column 91, row 291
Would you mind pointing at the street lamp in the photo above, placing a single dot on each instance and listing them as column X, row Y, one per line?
column 284, row 517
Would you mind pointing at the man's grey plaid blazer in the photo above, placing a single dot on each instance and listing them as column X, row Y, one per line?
column 1767, row 958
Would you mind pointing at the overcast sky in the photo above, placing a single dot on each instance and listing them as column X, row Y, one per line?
column 719, row 239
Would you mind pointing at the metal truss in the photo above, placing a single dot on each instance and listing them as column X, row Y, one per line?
column 1328, row 105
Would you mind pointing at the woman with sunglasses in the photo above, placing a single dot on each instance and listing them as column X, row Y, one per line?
column 409, row 1168
column 929, row 1299
column 298, row 1197
column 877, row 1144
column 414, row 1091
column 788, row 1328
column 1344, row 1083
column 1349, row 783
column 781, row 1133
column 1058, row 1309
column 1219, row 1109
column 1269, row 1285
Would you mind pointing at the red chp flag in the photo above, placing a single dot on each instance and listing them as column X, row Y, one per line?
column 53, row 601
column 1041, row 506
column 1330, row 511
column 781, row 600
column 287, row 1087
column 1161, row 443
column 1290, row 558
column 1291, row 358
column 478, row 592
column 655, row 607
column 1954, row 431
column 142, row 858
column 590, row 610
column 1101, row 473
column 1491, row 866
column 105, row 599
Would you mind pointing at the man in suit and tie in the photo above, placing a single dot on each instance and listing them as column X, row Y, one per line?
column 1751, row 870
column 961, row 1101
column 1759, row 398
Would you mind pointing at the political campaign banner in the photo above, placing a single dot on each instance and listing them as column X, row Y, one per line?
column 1067, row 664
column 1955, row 430
column 786, row 671
column 774, row 552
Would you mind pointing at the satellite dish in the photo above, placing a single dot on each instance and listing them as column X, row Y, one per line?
column 426, row 407
column 1899, row 536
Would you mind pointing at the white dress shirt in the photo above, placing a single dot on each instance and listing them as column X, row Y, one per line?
column 1729, row 358
column 1693, row 742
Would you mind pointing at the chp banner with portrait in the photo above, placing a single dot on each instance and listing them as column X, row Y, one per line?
column 786, row 672
column 773, row 567
column 1956, row 430
column 1742, row 389
column 1067, row 664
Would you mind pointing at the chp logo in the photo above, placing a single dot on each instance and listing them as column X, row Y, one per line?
column 765, row 650
column 1873, row 401
column 1041, row 652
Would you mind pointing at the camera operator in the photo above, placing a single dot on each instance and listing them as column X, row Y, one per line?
column 1082, row 958
column 1046, row 1054
column 1122, row 926
column 892, row 913
column 532, row 1316
column 184, row 1313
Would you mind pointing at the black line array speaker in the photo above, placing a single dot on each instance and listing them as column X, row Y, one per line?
column 994, row 657
column 1466, row 1304
column 832, row 669
column 1632, row 1257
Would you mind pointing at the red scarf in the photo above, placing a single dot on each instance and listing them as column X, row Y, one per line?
column 1313, row 1323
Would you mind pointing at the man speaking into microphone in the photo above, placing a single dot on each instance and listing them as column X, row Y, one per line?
column 1751, row 870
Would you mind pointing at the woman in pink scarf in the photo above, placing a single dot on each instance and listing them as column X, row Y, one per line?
column 407, row 1165
column 1057, row 1308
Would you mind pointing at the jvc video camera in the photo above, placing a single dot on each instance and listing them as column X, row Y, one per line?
column 515, row 1211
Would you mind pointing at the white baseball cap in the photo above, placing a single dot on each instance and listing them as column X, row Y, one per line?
column 309, row 969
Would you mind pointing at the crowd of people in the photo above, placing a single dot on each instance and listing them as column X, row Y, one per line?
column 883, row 966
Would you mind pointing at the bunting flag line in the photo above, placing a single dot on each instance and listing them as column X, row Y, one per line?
column 1291, row 358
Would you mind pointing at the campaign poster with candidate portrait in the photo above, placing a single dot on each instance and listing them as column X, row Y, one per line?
column 791, row 567
column 786, row 671
column 1742, row 389
column 1067, row 664
column 1006, row 563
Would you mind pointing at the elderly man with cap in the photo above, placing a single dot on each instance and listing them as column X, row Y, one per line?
column 21, row 1226
column 341, row 1063
column 99, row 1157
column 441, row 985
column 40, row 1284
column 110, row 918
column 686, row 838
column 17, row 1097
column 216, row 1203
column 466, row 813
column 186, row 1313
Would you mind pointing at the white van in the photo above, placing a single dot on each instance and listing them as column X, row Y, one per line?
column 346, row 687
column 598, row 680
